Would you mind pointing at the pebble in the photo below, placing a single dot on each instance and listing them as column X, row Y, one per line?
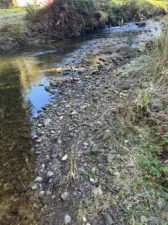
column 65, row 157
column 39, row 140
column 38, row 179
column 50, row 174
column 108, row 219
column 46, row 122
column 110, row 158
column 64, row 196
column 84, row 219
column 40, row 125
column 73, row 113
column 36, row 116
column 41, row 193
column 106, row 135
column 34, row 186
column 94, row 181
column 117, row 174
column 97, row 191
column 67, row 219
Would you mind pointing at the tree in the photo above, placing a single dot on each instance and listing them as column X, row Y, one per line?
column 14, row 2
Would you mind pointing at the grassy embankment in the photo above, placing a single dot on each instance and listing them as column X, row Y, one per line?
column 70, row 18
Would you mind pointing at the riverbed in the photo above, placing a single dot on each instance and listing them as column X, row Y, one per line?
column 30, row 83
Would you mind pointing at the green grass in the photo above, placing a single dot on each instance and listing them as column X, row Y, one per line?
column 11, row 12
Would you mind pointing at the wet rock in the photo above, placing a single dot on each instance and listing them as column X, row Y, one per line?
column 108, row 219
column 64, row 196
column 49, row 174
column 67, row 219
column 38, row 179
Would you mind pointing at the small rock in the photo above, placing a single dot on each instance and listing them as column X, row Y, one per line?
column 73, row 113
column 95, row 150
column 41, row 193
column 84, row 219
column 94, row 181
column 34, row 186
column 48, row 193
column 36, row 116
column 110, row 157
column 144, row 219
column 126, row 142
column 50, row 174
column 64, row 196
column 106, row 135
column 65, row 157
column 156, row 105
column 52, row 132
column 38, row 140
column 88, row 224
column 97, row 191
column 46, row 122
column 117, row 174
column 40, row 125
column 38, row 179
column 108, row 219
column 67, row 219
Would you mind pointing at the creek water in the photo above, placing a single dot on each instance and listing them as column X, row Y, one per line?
column 24, row 76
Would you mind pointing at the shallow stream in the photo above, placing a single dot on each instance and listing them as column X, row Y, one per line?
column 24, row 76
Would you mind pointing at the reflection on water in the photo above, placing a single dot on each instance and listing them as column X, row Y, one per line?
column 15, row 161
column 23, row 79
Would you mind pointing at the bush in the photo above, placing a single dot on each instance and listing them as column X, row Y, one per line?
column 4, row 4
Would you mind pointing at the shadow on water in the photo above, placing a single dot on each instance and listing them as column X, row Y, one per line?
column 15, row 161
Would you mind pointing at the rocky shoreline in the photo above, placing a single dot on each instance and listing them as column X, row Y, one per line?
column 75, row 141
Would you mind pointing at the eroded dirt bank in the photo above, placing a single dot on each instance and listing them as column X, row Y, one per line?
column 86, row 164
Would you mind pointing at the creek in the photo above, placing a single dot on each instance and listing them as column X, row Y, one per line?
column 24, row 78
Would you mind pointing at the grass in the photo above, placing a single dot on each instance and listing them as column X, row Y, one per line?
column 11, row 12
